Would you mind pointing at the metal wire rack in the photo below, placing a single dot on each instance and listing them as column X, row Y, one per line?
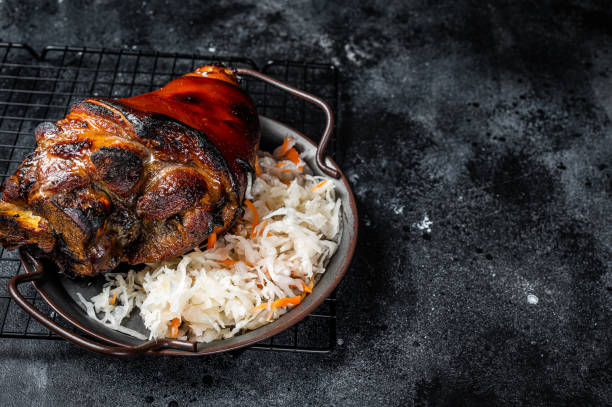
column 37, row 87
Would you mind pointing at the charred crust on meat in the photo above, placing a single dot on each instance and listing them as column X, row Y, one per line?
column 194, row 219
column 177, row 191
column 67, row 261
column 89, row 220
column 120, row 169
column 87, row 210
column 124, row 226
column 17, row 236
column 217, row 219
column 71, row 149
column 96, row 109
column 18, row 186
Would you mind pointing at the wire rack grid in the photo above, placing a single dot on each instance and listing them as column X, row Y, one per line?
column 37, row 87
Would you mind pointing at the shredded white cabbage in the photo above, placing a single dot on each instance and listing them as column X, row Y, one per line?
column 231, row 288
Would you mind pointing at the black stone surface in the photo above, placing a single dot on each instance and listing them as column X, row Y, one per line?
column 491, row 119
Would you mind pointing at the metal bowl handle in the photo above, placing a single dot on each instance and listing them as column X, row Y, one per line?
column 147, row 347
column 329, row 115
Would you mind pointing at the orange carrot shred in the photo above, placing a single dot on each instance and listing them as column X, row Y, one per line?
column 284, row 302
column 143, row 290
column 257, row 167
column 293, row 155
column 319, row 185
column 281, row 302
column 174, row 325
column 281, row 164
column 307, row 288
column 211, row 240
column 260, row 306
column 286, row 182
column 112, row 300
column 285, row 146
column 251, row 207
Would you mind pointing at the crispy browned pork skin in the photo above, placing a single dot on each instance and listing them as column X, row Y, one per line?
column 135, row 180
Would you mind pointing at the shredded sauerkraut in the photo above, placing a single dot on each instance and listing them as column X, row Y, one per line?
column 250, row 277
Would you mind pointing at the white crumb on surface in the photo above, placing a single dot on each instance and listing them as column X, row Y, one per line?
column 532, row 299
column 325, row 42
column 355, row 54
column 425, row 224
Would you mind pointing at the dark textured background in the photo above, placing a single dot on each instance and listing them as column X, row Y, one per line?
column 491, row 119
